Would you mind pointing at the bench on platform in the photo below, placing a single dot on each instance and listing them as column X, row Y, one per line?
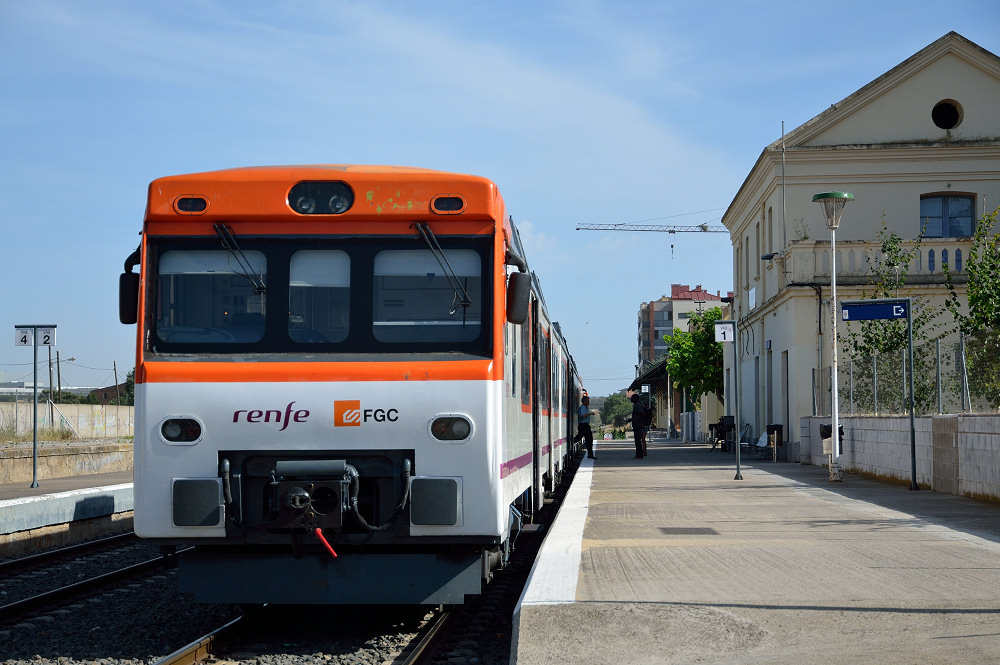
column 723, row 433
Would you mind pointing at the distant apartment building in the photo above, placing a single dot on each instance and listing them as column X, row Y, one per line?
column 661, row 317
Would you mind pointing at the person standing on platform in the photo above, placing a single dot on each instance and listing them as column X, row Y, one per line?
column 583, row 431
column 639, row 425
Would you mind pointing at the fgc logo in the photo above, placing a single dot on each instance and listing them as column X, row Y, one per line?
column 348, row 413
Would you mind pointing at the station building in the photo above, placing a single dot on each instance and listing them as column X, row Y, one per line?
column 919, row 148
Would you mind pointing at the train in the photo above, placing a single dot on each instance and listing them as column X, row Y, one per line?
column 348, row 386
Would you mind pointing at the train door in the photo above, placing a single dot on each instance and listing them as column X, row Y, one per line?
column 539, row 460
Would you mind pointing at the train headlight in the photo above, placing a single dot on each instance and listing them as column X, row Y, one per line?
column 451, row 428
column 338, row 203
column 321, row 197
column 180, row 430
column 305, row 205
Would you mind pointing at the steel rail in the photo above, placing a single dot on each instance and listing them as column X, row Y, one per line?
column 19, row 564
column 201, row 648
column 28, row 605
column 431, row 635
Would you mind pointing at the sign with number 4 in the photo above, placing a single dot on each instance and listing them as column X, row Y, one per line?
column 25, row 335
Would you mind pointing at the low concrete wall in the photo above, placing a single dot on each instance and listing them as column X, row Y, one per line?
column 87, row 421
column 60, row 460
column 955, row 454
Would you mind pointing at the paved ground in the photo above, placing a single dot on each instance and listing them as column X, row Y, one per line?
column 677, row 562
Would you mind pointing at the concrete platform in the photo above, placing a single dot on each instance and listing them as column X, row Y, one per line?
column 670, row 560
column 90, row 503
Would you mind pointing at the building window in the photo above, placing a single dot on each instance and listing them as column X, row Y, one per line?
column 947, row 114
column 930, row 261
column 946, row 216
column 958, row 260
column 944, row 259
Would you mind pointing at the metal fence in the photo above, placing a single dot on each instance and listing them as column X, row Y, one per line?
column 960, row 376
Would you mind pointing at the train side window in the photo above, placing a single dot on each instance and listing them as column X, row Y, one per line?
column 319, row 290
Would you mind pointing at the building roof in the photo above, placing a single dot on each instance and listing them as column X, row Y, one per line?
column 950, row 44
column 847, row 123
column 657, row 373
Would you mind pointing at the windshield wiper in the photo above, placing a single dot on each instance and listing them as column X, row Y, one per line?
column 228, row 239
column 462, row 298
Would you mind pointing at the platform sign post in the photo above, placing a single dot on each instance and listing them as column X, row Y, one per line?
column 891, row 309
column 35, row 336
column 725, row 332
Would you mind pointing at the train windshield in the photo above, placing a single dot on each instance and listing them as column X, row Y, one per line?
column 206, row 297
column 419, row 297
column 345, row 296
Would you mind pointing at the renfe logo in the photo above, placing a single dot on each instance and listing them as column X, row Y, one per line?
column 272, row 415
column 348, row 413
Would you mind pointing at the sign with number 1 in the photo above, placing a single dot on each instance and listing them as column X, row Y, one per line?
column 725, row 331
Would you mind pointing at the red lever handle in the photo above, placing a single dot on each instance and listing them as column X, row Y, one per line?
column 318, row 532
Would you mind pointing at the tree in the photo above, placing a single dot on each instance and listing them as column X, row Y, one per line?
column 616, row 409
column 889, row 264
column 694, row 359
column 983, row 318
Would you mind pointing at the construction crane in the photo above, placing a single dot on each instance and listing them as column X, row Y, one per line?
column 663, row 228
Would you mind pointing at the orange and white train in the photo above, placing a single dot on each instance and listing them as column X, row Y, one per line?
column 348, row 388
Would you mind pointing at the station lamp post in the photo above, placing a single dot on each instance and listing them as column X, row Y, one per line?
column 833, row 208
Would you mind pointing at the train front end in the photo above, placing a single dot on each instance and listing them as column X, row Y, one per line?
column 319, row 383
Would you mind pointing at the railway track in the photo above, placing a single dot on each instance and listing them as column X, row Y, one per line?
column 224, row 641
column 49, row 557
column 31, row 569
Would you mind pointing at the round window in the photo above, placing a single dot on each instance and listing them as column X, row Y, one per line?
column 947, row 114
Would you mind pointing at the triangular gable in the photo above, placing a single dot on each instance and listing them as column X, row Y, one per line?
column 896, row 107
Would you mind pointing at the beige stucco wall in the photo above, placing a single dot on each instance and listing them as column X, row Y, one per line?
column 902, row 113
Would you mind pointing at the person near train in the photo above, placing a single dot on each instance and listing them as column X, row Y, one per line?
column 583, row 431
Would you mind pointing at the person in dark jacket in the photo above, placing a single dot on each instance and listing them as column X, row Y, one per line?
column 639, row 425
column 583, row 431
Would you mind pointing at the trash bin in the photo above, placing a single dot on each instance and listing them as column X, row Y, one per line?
column 824, row 433
column 728, row 425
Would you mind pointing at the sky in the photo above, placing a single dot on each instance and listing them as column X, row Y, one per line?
column 587, row 111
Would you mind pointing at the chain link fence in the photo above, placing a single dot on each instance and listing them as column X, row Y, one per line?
column 960, row 376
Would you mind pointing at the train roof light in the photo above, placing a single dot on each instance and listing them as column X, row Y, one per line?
column 448, row 204
column 190, row 204
column 316, row 197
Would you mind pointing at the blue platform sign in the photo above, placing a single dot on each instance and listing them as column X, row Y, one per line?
column 869, row 310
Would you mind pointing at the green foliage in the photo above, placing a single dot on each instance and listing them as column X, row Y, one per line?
column 694, row 358
column 616, row 409
column 889, row 264
column 67, row 397
column 127, row 397
column 983, row 288
column 983, row 317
